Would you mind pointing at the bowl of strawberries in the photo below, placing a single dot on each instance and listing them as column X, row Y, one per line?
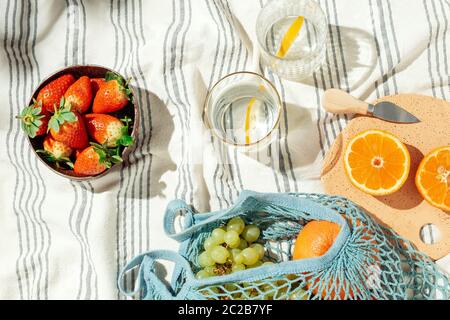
column 81, row 121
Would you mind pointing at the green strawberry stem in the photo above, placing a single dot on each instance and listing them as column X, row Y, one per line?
column 128, row 82
column 56, row 161
column 125, row 140
column 107, row 157
column 114, row 76
column 31, row 119
column 61, row 115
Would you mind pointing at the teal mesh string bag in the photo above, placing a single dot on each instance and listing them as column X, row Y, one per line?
column 366, row 261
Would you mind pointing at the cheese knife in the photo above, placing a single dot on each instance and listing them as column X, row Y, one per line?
column 340, row 102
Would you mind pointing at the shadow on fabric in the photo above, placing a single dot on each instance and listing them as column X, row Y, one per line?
column 351, row 57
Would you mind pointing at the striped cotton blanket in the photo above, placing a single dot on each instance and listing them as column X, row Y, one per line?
column 63, row 239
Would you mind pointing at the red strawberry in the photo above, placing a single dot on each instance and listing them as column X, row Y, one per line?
column 51, row 94
column 67, row 126
column 79, row 95
column 96, row 83
column 94, row 160
column 57, row 149
column 112, row 96
column 107, row 130
column 56, row 152
column 34, row 120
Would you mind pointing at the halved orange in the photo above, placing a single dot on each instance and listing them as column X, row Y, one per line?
column 377, row 162
column 433, row 178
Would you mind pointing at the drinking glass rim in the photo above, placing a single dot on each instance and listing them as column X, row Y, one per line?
column 323, row 39
column 208, row 96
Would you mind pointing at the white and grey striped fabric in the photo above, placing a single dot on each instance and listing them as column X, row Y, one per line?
column 62, row 239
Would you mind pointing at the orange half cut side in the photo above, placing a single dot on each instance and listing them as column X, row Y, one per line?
column 433, row 178
column 377, row 162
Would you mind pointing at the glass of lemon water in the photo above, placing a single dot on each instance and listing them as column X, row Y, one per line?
column 243, row 109
column 292, row 37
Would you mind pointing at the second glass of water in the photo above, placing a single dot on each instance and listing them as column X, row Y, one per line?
column 292, row 37
column 243, row 109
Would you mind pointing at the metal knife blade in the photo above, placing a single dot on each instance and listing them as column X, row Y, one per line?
column 391, row 112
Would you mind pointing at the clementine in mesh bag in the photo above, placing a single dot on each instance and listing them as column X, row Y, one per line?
column 377, row 162
column 433, row 178
column 313, row 241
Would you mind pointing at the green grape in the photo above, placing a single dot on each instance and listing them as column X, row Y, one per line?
column 268, row 296
column 253, row 293
column 237, row 296
column 299, row 295
column 291, row 277
column 259, row 248
column 237, row 267
column 282, row 293
column 269, row 291
column 232, row 239
column 230, row 287
column 230, row 255
column 251, row 233
column 238, row 259
column 267, row 288
column 215, row 290
column 209, row 244
column 280, row 282
column 218, row 235
column 267, row 263
column 219, row 254
column 243, row 244
column 250, row 256
column 205, row 260
column 202, row 274
column 210, row 270
column 236, row 224
column 234, row 252
column 255, row 265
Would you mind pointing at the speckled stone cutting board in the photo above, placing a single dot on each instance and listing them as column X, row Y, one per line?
column 404, row 211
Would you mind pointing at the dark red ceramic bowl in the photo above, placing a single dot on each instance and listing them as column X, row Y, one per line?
column 130, row 111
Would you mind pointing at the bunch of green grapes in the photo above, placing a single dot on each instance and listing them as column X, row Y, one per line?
column 231, row 248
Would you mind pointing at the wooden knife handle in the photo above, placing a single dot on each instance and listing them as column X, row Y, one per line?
column 340, row 102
